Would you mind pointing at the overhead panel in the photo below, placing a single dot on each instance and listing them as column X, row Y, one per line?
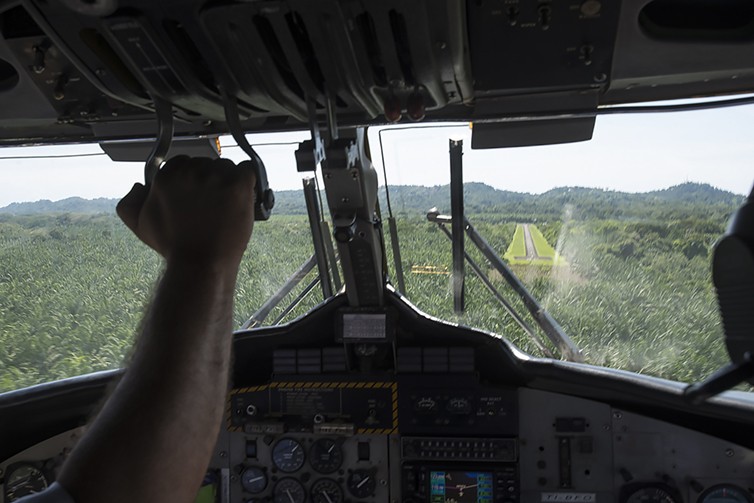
column 535, row 57
column 166, row 61
column 674, row 49
column 533, row 44
column 364, row 57
column 69, row 72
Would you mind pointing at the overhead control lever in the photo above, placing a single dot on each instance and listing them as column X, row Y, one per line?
column 264, row 197
column 164, row 112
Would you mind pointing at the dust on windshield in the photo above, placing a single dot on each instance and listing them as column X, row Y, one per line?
column 618, row 255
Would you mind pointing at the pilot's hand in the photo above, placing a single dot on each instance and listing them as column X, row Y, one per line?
column 197, row 210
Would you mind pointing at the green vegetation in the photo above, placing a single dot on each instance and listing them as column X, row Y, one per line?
column 635, row 293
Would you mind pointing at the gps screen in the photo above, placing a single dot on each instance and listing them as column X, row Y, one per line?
column 460, row 487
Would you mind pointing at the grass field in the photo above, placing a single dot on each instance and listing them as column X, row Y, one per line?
column 634, row 296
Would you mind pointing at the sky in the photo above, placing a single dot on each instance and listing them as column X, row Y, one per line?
column 631, row 153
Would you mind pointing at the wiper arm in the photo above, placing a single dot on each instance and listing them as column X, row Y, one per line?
column 546, row 322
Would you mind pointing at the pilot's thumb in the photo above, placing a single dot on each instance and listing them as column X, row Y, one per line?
column 129, row 207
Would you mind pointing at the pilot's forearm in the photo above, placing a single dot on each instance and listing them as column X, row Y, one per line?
column 154, row 439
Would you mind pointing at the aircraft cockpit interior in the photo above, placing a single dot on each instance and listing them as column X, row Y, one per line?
column 365, row 397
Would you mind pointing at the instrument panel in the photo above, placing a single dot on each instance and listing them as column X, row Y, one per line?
column 380, row 441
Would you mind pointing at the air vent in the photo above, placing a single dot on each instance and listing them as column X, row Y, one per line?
column 439, row 360
column 333, row 359
column 699, row 20
column 308, row 361
column 284, row 361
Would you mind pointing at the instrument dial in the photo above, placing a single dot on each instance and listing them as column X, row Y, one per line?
column 289, row 490
column 254, row 480
column 326, row 491
column 652, row 493
column 725, row 493
column 288, row 455
column 361, row 483
column 22, row 480
column 325, row 455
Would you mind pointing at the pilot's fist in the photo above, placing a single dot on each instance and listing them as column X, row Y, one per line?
column 198, row 210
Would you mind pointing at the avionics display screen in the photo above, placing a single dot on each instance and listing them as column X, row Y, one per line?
column 460, row 487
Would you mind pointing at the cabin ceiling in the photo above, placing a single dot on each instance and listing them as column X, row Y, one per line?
column 84, row 70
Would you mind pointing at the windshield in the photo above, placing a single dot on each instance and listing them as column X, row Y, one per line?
column 612, row 237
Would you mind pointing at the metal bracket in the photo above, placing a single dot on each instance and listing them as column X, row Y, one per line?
column 312, row 153
column 264, row 199
column 318, row 238
column 351, row 188
column 457, row 225
column 546, row 322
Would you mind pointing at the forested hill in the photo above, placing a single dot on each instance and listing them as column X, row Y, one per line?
column 69, row 205
column 680, row 201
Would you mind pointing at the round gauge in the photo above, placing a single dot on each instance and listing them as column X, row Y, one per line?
column 288, row 455
column 22, row 480
column 289, row 491
column 725, row 493
column 653, row 493
column 254, row 480
column 361, row 483
column 325, row 456
column 326, row 491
